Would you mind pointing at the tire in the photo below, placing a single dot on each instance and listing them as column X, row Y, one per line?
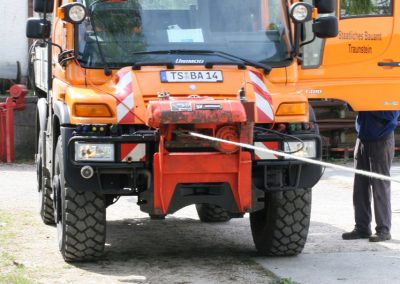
column 81, row 227
column 281, row 228
column 209, row 213
column 46, row 208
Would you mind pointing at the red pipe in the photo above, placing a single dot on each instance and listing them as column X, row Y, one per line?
column 9, row 131
column 15, row 101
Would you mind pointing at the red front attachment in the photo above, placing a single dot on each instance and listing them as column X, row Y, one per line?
column 195, row 110
column 229, row 166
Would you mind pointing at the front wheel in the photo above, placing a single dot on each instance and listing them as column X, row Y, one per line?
column 46, row 208
column 281, row 228
column 81, row 225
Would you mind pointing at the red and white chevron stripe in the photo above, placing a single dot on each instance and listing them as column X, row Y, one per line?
column 265, row 112
column 271, row 145
column 133, row 152
column 126, row 100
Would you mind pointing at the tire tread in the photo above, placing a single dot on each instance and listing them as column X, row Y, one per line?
column 281, row 228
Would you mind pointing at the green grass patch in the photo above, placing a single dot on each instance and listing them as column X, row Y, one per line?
column 284, row 281
column 11, row 272
column 5, row 233
column 15, row 277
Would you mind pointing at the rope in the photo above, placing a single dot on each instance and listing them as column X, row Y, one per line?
column 306, row 160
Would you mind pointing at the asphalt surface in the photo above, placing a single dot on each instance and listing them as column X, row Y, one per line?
column 329, row 259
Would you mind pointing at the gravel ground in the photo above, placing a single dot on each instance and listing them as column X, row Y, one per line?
column 181, row 250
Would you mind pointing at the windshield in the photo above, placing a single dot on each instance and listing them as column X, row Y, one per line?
column 119, row 33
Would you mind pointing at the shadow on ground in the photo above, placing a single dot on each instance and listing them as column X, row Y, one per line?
column 178, row 250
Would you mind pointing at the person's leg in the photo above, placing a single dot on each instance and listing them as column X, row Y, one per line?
column 381, row 156
column 361, row 196
column 362, row 190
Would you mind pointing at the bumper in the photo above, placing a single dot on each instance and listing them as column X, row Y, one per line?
column 109, row 177
column 178, row 181
column 167, row 182
column 284, row 174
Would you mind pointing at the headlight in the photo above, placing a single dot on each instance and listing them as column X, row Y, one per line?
column 309, row 149
column 96, row 152
column 77, row 13
column 74, row 13
column 301, row 12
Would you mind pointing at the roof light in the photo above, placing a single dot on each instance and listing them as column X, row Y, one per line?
column 74, row 13
column 301, row 12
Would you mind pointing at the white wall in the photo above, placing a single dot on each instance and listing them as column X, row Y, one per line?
column 13, row 43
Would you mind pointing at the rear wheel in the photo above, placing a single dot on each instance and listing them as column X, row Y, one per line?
column 209, row 213
column 81, row 224
column 281, row 228
column 46, row 208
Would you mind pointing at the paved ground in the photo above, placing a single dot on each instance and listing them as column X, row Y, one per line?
column 183, row 250
column 327, row 258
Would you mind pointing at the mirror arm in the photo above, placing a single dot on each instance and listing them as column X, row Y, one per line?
column 44, row 20
column 54, row 44
column 297, row 39
column 308, row 42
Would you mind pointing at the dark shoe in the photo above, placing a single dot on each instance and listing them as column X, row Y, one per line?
column 380, row 237
column 355, row 235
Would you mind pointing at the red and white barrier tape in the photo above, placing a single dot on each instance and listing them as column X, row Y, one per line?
column 306, row 160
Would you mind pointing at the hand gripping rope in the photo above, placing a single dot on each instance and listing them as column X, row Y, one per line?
column 307, row 160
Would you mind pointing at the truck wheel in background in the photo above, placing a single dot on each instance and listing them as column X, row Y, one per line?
column 81, row 226
column 209, row 213
column 46, row 208
column 281, row 228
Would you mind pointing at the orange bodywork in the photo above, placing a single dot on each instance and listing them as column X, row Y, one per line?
column 140, row 98
column 352, row 70
column 146, row 84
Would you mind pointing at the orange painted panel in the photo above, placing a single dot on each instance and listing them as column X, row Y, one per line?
column 351, row 70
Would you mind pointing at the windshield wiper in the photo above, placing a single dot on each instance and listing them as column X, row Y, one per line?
column 267, row 69
column 138, row 65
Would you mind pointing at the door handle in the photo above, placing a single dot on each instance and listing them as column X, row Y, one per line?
column 389, row 64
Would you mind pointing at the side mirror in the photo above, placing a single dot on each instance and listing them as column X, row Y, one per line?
column 38, row 28
column 325, row 6
column 326, row 27
column 42, row 6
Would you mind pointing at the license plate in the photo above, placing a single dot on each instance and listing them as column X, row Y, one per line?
column 191, row 76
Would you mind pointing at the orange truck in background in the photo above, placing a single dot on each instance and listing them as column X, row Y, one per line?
column 360, row 68
column 123, row 83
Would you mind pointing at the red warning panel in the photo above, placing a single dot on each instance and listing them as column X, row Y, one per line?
column 271, row 145
column 131, row 152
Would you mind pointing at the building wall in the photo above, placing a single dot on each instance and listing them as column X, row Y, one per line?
column 14, row 45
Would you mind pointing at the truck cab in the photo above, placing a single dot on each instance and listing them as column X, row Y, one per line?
column 358, row 70
column 361, row 62
column 122, row 87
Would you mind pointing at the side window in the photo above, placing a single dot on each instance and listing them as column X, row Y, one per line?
column 365, row 8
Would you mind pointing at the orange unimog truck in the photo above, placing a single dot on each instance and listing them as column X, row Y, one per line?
column 122, row 84
column 359, row 68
